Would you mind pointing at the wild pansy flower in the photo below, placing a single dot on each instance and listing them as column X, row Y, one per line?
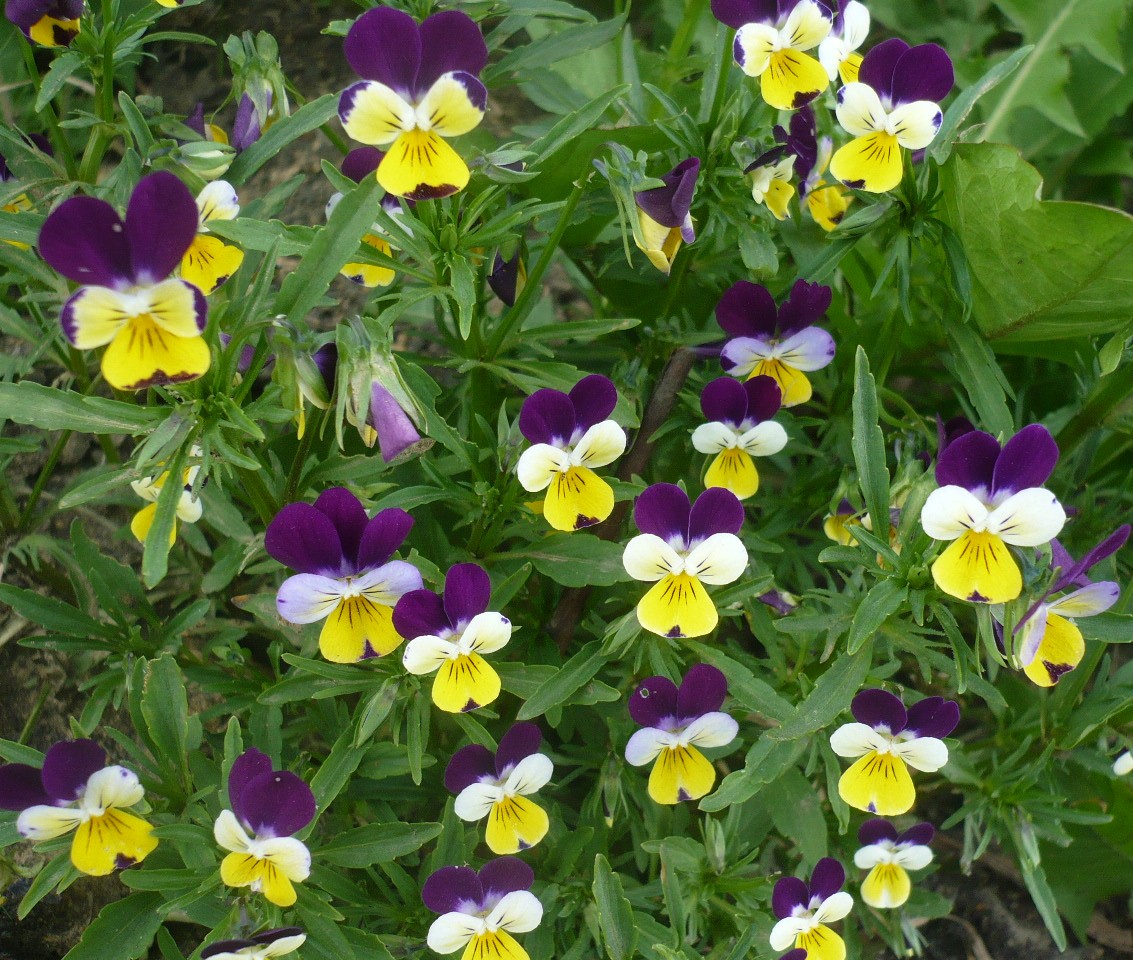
column 888, row 856
column 777, row 342
column 480, row 910
column 189, row 507
column 837, row 525
column 663, row 218
column 75, row 790
column 988, row 498
column 892, row 104
column 50, row 23
column 153, row 324
column 683, row 546
column 450, row 633
column 771, row 174
column 771, row 37
column 210, row 261
column 1123, row 764
column 419, row 84
column 886, row 737
column 805, row 909
column 268, row 806
column 740, row 428
column 571, row 434
column 346, row 574
column 838, row 52
column 260, row 946
column 676, row 722
column 497, row 786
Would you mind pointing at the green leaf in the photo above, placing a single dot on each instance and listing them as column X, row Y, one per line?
column 165, row 707
column 55, row 872
column 1107, row 627
column 974, row 365
column 377, row 843
column 615, row 916
column 869, row 443
column 578, row 670
column 53, row 615
column 576, row 559
column 463, row 282
column 765, row 762
column 883, row 600
column 122, row 931
column 831, row 695
column 579, row 121
column 60, row 71
column 308, row 117
column 336, row 770
column 48, row 408
column 553, row 48
column 797, row 814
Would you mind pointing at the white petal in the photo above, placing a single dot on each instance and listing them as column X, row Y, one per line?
column 711, row 730
column 1031, row 636
column 923, row 753
column 646, row 744
column 764, row 439
column 1123, row 764
column 915, row 124
column 45, row 822
column 812, row 348
column 916, row 857
column 855, row 24
column 538, row 465
column 834, row 907
column 518, row 912
column 1028, row 518
column 721, row 558
column 283, row 946
column 229, row 834
column 450, row 932
column 951, row 511
column 428, row 653
column 648, row 557
column 866, row 858
column 289, row 855
column 806, row 27
column 530, row 775
column 218, row 201
column 832, row 52
column 603, row 443
column 856, row 740
column 149, row 488
column 307, row 597
column 111, row 787
column 486, row 633
column 714, row 437
column 1088, row 601
column 859, row 109
column 389, row 583
column 189, row 508
column 753, row 47
column 475, row 801
column 786, row 931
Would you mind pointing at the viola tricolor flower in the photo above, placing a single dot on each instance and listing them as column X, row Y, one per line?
column 741, row 428
column 838, row 52
column 771, row 180
column 892, row 104
column 419, row 84
column 75, row 790
column 450, row 633
column 888, row 856
column 676, row 722
column 777, row 342
column 268, row 806
column 210, row 261
column 497, row 786
column 683, row 546
column 189, row 507
column 480, row 910
column 261, row 946
column 771, row 38
column 837, row 525
column 885, row 737
column 50, row 23
column 988, row 498
column 805, row 909
column 152, row 323
column 663, row 218
column 571, row 435
column 345, row 573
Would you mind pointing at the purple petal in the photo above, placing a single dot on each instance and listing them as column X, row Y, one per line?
column 669, row 205
column 803, row 143
column 382, row 536
column 468, row 766
column 453, row 890
column 747, row 310
column 1027, row 460
column 25, row 14
column 663, row 510
column 923, row 72
column 504, row 875
column 450, row 42
column 467, row 593
column 270, row 936
column 246, row 126
column 1073, row 571
column 969, row 461
column 879, row 709
column 326, row 362
column 875, row 830
column 360, row 162
column 195, row 121
column 702, row 691
column 277, row 804
column 827, row 878
column 724, row 400
column 161, row 222
column 920, row 835
column 247, row 767
column 547, row 417
column 305, row 539
column 716, row 511
column 84, row 239
column 21, row 787
column 933, row 717
column 504, row 278
column 764, row 398
column 654, row 702
column 878, row 65
column 385, row 45
column 346, row 512
column 805, row 305
column 67, row 767
column 522, row 740
column 953, row 429
column 735, row 13
column 396, row 432
column 420, row 613
column 594, row 398
column 790, row 892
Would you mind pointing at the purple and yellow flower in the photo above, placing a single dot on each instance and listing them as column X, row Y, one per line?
column 740, row 428
column 782, row 342
column 481, row 910
column 268, row 806
column 571, row 435
column 837, row 525
column 888, row 856
column 826, row 202
column 663, row 217
column 886, row 737
column 892, row 105
column 771, row 184
column 420, row 84
column 153, row 324
column 497, row 786
column 771, row 39
column 805, row 909
column 683, row 546
column 346, row 574
column 358, row 164
column 260, row 946
column 189, row 507
column 988, row 498
column 450, row 633
column 210, row 261
column 50, row 23
column 675, row 723
column 75, row 790
column 838, row 52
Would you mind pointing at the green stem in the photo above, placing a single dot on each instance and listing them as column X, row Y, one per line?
column 58, row 139
column 296, row 472
column 682, row 39
column 257, row 491
column 29, row 724
column 718, row 100
column 44, row 476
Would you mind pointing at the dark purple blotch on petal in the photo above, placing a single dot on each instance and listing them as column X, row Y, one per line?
column 798, row 953
column 724, row 400
column 802, row 141
column 21, row 787
column 247, row 767
column 502, row 876
column 669, row 205
column 1027, row 460
column 747, row 310
column 161, row 223
column 84, row 239
column 453, row 890
column 968, row 461
column 877, row 66
column 716, row 511
column 360, row 162
column 305, row 539
column 827, row 879
column 764, row 398
column 766, row 159
column 468, row 590
column 547, row 416
column 919, row 835
column 594, row 398
column 67, row 767
column 382, row 536
column 663, row 509
column 420, row 613
column 933, row 717
column 789, row 892
column 702, row 691
column 875, row 830
column 654, row 702
column 522, row 740
column 923, row 72
column 270, row 936
column 879, row 709
column 805, row 305
column 735, row 13
column 468, row 765
column 277, row 804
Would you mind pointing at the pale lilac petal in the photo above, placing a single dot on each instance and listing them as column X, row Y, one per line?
column 308, row 597
column 809, row 349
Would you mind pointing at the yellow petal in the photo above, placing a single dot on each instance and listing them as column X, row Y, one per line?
column 143, row 520
column 677, row 606
column 494, row 945
column 828, row 205
column 778, row 196
column 792, row 79
column 452, row 106
column 514, row 824
column 683, row 773
column 659, row 243
column 263, row 876
column 50, row 32
column 210, row 261
column 793, row 383
column 871, row 163
column 836, row 527
column 1060, row 651
column 421, row 166
column 848, row 69
column 143, row 354
column 370, row 274
column 577, row 498
column 733, row 470
column 112, row 841
column 980, row 568
column 358, row 628
column 822, row 943
column 878, row 783
column 887, row 886
column 465, row 683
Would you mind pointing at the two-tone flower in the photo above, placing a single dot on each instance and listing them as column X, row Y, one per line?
column 838, row 52
column 893, row 105
column 571, row 434
column 780, row 342
column 420, row 85
column 75, row 790
column 886, row 737
column 771, row 180
column 210, row 261
column 683, row 546
column 804, row 910
column 663, row 217
column 50, row 23
column 888, row 856
column 448, row 635
column 153, row 324
column 260, row 946
column 676, row 723
column 346, row 572
column 740, row 428
column 991, row 497
column 498, row 785
column 189, row 506
column 268, row 806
